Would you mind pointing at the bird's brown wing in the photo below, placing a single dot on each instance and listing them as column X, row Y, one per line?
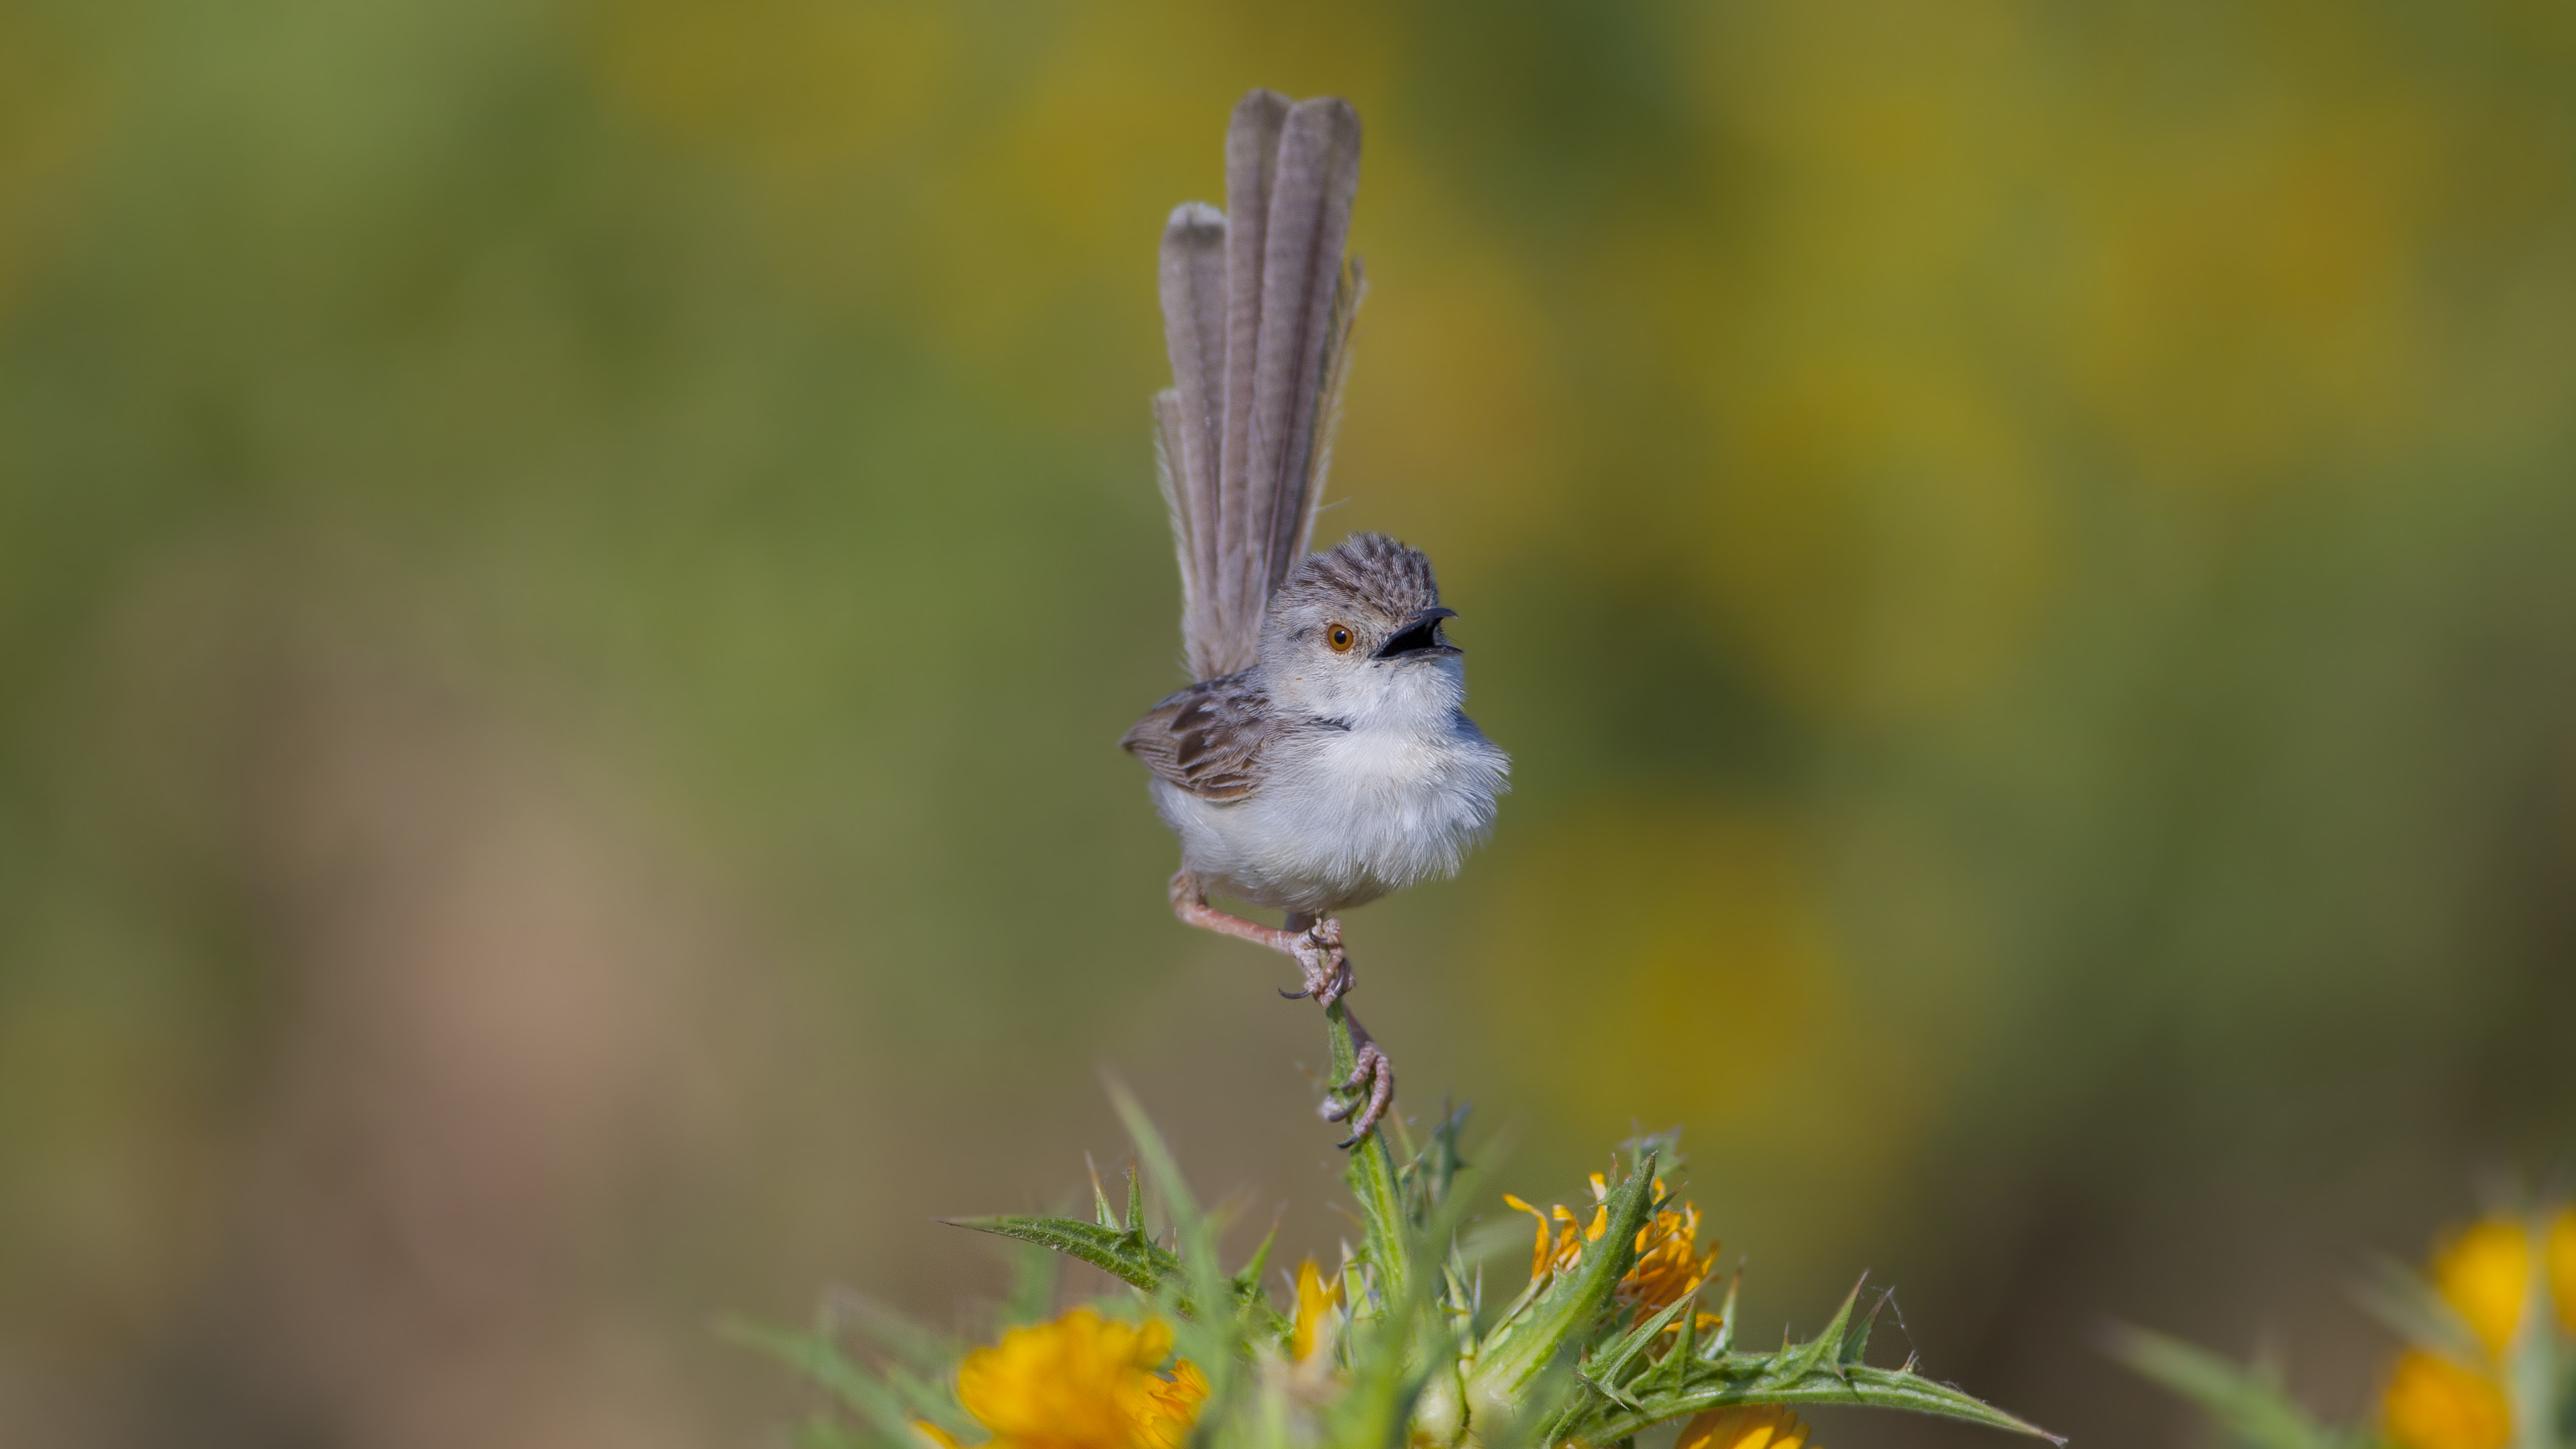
column 1207, row 739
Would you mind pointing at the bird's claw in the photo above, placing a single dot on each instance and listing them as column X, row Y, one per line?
column 1319, row 954
column 1363, row 1097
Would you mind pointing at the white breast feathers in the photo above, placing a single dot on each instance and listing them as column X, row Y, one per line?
column 1346, row 813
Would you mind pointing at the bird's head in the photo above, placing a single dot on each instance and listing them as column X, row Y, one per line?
column 1354, row 634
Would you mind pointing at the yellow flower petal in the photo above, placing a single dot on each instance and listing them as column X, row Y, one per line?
column 2485, row 1273
column 1744, row 1426
column 1669, row 1268
column 1171, row 1406
column 935, row 1434
column 1082, row 1382
column 2433, row 1403
column 1317, row 1299
column 1538, row 1259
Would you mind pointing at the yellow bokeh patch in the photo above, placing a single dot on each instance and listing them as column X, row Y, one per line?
column 1694, row 952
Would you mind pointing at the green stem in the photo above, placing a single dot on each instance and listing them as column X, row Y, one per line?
column 1371, row 1175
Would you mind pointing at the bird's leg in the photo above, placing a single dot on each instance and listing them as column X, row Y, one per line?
column 1370, row 1086
column 1190, row 904
column 1316, row 946
column 1364, row 1093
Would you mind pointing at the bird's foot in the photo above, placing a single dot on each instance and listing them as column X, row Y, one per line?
column 1319, row 954
column 1362, row 1098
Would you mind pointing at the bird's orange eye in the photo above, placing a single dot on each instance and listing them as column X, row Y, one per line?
column 1339, row 636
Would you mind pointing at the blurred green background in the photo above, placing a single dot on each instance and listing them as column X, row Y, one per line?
column 570, row 572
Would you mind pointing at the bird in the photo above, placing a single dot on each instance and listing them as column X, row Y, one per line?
column 1322, row 759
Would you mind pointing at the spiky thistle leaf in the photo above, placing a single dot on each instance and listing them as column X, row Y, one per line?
column 1630, row 1392
column 1544, row 1328
column 2249, row 1404
column 876, row 1400
column 2416, row 1311
column 1765, row 1379
column 1124, row 1254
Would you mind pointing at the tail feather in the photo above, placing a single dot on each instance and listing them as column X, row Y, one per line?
column 1170, row 447
column 1257, row 310
column 1251, row 165
column 1347, row 297
column 1192, row 434
column 1310, row 216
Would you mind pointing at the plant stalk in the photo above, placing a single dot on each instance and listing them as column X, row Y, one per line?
column 1371, row 1175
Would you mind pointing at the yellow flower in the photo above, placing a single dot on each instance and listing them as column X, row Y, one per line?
column 2485, row 1273
column 1081, row 1382
column 1316, row 1300
column 1744, row 1426
column 2433, row 1403
column 1670, row 1266
column 1566, row 1248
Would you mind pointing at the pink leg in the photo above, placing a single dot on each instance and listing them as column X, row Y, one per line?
column 1317, row 949
column 1315, row 946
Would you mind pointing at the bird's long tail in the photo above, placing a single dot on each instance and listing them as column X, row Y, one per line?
column 1257, row 313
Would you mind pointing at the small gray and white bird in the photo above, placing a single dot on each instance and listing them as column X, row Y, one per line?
column 1322, row 759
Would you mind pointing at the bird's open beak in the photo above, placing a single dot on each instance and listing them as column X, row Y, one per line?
column 1420, row 635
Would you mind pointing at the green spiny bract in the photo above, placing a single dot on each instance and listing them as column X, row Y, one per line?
column 1568, row 1361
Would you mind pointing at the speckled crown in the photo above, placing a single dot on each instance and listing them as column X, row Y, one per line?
column 1369, row 569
